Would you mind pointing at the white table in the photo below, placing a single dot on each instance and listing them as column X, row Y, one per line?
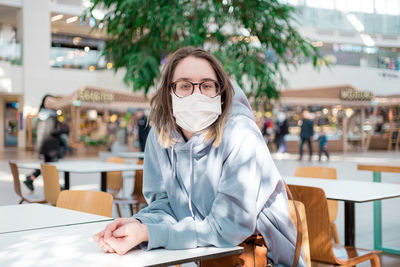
column 74, row 246
column 16, row 218
column 84, row 166
column 350, row 192
column 131, row 155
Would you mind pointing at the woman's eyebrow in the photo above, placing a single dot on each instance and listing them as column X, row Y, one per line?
column 188, row 79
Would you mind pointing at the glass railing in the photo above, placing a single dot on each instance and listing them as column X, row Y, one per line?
column 326, row 19
column 10, row 51
column 61, row 57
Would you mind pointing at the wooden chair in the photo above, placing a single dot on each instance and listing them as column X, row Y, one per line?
column 305, row 242
column 322, row 249
column 17, row 185
column 114, row 179
column 137, row 196
column 137, row 193
column 94, row 202
column 51, row 183
column 324, row 173
column 394, row 139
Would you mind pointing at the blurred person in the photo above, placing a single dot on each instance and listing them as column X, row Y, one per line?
column 281, row 130
column 209, row 179
column 322, row 144
column 306, row 133
column 143, row 128
column 47, row 137
column 267, row 129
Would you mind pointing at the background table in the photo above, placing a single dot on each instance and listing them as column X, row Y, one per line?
column 16, row 218
column 350, row 192
column 85, row 166
column 377, row 178
column 131, row 155
column 74, row 246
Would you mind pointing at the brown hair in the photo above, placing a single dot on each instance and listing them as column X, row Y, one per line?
column 161, row 103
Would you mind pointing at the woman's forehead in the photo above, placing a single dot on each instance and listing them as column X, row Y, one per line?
column 195, row 69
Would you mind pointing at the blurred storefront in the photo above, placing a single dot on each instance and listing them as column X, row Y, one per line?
column 98, row 117
column 352, row 119
column 11, row 117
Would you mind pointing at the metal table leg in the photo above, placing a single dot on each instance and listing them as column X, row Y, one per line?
column 103, row 186
column 349, row 223
column 66, row 180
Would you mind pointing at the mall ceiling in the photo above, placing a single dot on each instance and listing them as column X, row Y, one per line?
column 8, row 15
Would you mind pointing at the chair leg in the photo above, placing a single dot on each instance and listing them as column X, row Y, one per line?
column 335, row 233
column 21, row 201
column 375, row 262
column 118, row 210
column 131, row 208
column 137, row 207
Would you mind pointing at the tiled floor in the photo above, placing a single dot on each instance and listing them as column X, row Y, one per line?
column 346, row 165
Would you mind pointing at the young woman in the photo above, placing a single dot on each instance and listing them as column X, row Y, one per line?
column 209, row 179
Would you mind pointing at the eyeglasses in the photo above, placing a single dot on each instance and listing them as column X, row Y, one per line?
column 185, row 88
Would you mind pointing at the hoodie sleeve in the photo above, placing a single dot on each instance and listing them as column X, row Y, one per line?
column 233, row 215
column 159, row 209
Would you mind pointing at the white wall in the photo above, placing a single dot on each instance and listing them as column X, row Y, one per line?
column 379, row 81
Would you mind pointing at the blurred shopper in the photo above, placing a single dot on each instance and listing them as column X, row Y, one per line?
column 267, row 129
column 281, row 130
column 64, row 138
column 209, row 179
column 143, row 128
column 47, row 138
column 323, row 144
column 306, row 133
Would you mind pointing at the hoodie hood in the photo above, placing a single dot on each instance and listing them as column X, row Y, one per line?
column 240, row 104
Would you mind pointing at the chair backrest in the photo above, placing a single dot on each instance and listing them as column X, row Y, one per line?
column 305, row 241
column 138, row 186
column 316, row 172
column 94, row 202
column 51, row 183
column 318, row 224
column 115, row 179
column 15, row 174
column 323, row 173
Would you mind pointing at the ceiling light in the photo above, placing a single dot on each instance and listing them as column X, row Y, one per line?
column 87, row 48
column 98, row 14
column 367, row 39
column 57, row 17
column 355, row 22
column 72, row 19
column 76, row 40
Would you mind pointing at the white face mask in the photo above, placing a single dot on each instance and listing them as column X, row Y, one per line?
column 196, row 112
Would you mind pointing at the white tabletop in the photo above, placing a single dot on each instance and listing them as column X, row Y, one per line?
column 135, row 155
column 84, row 166
column 35, row 216
column 349, row 190
column 73, row 246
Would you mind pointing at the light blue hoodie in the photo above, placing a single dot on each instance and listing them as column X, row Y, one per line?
column 234, row 190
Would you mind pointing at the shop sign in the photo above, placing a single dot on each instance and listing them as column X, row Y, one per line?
column 95, row 96
column 354, row 95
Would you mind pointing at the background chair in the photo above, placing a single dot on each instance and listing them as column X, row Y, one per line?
column 324, row 173
column 114, row 179
column 94, row 202
column 51, row 183
column 322, row 249
column 137, row 199
column 17, row 185
column 305, row 242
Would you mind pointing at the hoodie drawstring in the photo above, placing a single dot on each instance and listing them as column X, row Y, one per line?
column 191, row 181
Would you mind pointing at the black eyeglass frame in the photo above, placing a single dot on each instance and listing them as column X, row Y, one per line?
column 218, row 87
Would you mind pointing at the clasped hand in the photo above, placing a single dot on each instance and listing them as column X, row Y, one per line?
column 121, row 235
